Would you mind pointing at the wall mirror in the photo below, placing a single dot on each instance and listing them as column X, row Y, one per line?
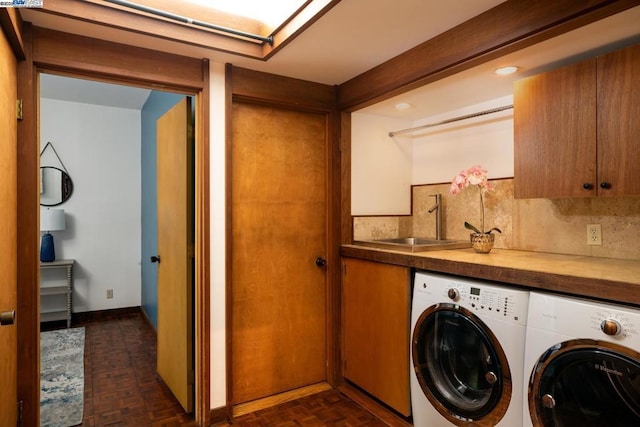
column 56, row 185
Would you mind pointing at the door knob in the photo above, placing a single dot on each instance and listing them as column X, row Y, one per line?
column 321, row 262
column 155, row 258
column 7, row 317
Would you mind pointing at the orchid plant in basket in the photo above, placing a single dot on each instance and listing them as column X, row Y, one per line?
column 476, row 176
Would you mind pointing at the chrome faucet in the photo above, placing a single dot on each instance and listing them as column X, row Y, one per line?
column 438, row 208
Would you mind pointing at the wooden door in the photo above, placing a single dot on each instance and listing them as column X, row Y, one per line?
column 8, row 224
column 279, row 199
column 555, row 133
column 376, row 311
column 618, row 124
column 175, row 250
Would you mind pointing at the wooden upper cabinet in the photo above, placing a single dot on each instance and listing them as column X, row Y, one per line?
column 376, row 321
column 619, row 122
column 576, row 129
column 555, row 132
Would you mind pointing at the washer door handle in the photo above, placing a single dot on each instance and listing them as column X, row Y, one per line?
column 548, row 401
column 491, row 377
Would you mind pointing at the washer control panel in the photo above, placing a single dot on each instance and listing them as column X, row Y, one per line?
column 484, row 298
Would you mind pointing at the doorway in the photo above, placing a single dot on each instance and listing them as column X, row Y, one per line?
column 106, row 136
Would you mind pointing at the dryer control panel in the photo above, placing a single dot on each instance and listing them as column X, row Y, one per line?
column 579, row 317
column 485, row 298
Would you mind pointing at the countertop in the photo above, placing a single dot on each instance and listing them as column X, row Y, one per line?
column 602, row 278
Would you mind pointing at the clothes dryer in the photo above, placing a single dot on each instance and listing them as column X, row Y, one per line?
column 582, row 363
column 467, row 352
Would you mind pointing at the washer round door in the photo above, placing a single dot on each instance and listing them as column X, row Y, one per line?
column 586, row 383
column 461, row 366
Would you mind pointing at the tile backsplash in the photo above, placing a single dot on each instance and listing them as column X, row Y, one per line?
column 539, row 225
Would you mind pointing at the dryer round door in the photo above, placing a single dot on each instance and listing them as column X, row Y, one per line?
column 586, row 382
column 460, row 366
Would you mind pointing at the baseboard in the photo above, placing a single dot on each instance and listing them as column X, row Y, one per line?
column 219, row 415
column 267, row 402
column 146, row 318
column 101, row 315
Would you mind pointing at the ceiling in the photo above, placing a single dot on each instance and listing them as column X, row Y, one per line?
column 353, row 37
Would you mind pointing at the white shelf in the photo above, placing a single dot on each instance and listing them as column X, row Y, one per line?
column 62, row 313
column 53, row 290
column 48, row 316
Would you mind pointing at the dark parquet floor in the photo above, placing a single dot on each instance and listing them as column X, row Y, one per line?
column 123, row 389
column 328, row 408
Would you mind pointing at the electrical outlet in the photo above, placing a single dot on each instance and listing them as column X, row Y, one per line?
column 109, row 293
column 594, row 234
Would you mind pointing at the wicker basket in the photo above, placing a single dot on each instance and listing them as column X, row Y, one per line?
column 482, row 242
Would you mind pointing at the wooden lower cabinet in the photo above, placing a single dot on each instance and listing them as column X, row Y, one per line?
column 376, row 322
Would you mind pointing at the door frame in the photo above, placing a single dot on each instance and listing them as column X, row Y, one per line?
column 77, row 56
column 12, row 53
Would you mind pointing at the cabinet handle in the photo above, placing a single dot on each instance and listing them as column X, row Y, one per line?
column 587, row 186
column 155, row 258
column 605, row 185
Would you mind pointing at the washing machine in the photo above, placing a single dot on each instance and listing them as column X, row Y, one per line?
column 467, row 352
column 582, row 363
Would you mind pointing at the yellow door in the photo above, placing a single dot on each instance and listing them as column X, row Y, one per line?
column 8, row 242
column 175, row 251
column 279, row 192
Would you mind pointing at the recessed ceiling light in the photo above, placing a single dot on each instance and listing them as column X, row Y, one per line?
column 403, row 106
column 504, row 71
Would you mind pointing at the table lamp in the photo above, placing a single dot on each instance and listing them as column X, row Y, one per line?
column 50, row 220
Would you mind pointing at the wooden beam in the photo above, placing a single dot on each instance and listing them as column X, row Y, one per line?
column 110, row 16
column 258, row 86
column 55, row 50
column 510, row 26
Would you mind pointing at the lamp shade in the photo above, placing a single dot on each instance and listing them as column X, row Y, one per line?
column 52, row 220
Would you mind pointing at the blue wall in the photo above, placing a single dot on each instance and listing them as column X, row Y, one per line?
column 157, row 104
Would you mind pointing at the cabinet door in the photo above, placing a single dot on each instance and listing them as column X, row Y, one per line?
column 619, row 122
column 376, row 316
column 555, row 133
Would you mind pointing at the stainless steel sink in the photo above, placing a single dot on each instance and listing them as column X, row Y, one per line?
column 414, row 244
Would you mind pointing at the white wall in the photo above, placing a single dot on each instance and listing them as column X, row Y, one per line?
column 380, row 166
column 100, row 148
column 439, row 153
column 218, row 233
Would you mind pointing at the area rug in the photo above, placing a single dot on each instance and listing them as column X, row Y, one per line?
column 61, row 377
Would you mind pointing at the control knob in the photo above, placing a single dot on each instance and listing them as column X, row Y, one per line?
column 453, row 293
column 611, row 327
